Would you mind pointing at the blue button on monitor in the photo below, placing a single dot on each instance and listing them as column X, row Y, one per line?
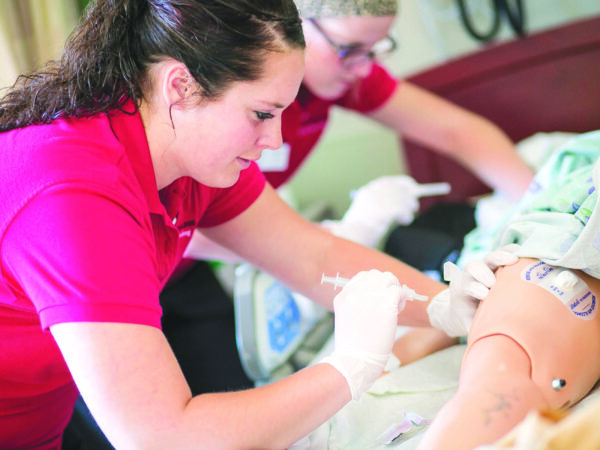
column 283, row 317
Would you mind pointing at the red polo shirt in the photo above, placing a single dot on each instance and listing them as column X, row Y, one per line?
column 304, row 121
column 85, row 236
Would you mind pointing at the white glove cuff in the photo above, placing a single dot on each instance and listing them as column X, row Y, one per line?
column 438, row 308
column 392, row 363
column 360, row 373
column 442, row 317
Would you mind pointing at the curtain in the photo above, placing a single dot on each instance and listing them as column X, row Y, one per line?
column 33, row 32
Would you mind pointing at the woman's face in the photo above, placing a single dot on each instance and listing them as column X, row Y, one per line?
column 214, row 141
column 326, row 75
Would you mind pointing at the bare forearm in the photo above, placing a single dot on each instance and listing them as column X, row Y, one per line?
column 299, row 263
column 158, row 411
column 273, row 416
column 201, row 247
column 489, row 153
column 349, row 258
column 468, row 138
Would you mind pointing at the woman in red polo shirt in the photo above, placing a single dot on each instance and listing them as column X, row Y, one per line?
column 344, row 41
column 147, row 128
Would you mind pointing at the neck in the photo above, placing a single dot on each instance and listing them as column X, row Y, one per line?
column 158, row 132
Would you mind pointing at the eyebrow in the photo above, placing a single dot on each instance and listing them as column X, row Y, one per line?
column 274, row 105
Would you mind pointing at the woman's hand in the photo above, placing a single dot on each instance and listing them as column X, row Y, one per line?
column 366, row 314
column 452, row 310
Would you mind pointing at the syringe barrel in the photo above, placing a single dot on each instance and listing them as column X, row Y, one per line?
column 431, row 189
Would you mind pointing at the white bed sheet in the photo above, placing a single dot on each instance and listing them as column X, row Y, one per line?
column 421, row 387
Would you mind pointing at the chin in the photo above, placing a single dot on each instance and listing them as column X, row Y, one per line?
column 222, row 182
column 230, row 181
column 334, row 92
column 330, row 91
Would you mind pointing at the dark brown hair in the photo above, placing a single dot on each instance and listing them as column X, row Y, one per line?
column 107, row 57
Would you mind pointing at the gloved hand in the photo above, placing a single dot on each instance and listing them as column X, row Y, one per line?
column 375, row 207
column 366, row 315
column 452, row 310
column 503, row 256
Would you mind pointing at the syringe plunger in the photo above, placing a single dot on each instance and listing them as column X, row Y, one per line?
column 336, row 281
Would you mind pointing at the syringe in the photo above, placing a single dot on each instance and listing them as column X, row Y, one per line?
column 430, row 189
column 341, row 282
column 425, row 189
column 337, row 281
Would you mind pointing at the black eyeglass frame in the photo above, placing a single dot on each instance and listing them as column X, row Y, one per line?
column 344, row 51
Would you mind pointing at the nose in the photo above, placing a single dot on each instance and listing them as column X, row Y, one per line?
column 362, row 68
column 271, row 138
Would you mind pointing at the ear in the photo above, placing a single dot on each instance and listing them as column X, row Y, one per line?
column 177, row 82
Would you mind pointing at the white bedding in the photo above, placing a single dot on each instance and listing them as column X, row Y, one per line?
column 421, row 387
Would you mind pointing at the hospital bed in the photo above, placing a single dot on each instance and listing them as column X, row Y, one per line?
column 543, row 83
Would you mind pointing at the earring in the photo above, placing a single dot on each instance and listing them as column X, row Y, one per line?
column 188, row 81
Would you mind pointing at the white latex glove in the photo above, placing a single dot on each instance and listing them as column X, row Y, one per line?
column 452, row 310
column 375, row 207
column 366, row 316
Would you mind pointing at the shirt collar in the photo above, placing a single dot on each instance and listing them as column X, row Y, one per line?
column 128, row 128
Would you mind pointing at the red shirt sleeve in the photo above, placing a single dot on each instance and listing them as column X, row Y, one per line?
column 79, row 255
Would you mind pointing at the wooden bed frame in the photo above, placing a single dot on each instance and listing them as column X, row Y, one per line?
column 545, row 82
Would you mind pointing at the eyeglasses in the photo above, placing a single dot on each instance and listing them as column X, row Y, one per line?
column 353, row 55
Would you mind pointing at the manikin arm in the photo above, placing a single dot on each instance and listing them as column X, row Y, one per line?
column 522, row 341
